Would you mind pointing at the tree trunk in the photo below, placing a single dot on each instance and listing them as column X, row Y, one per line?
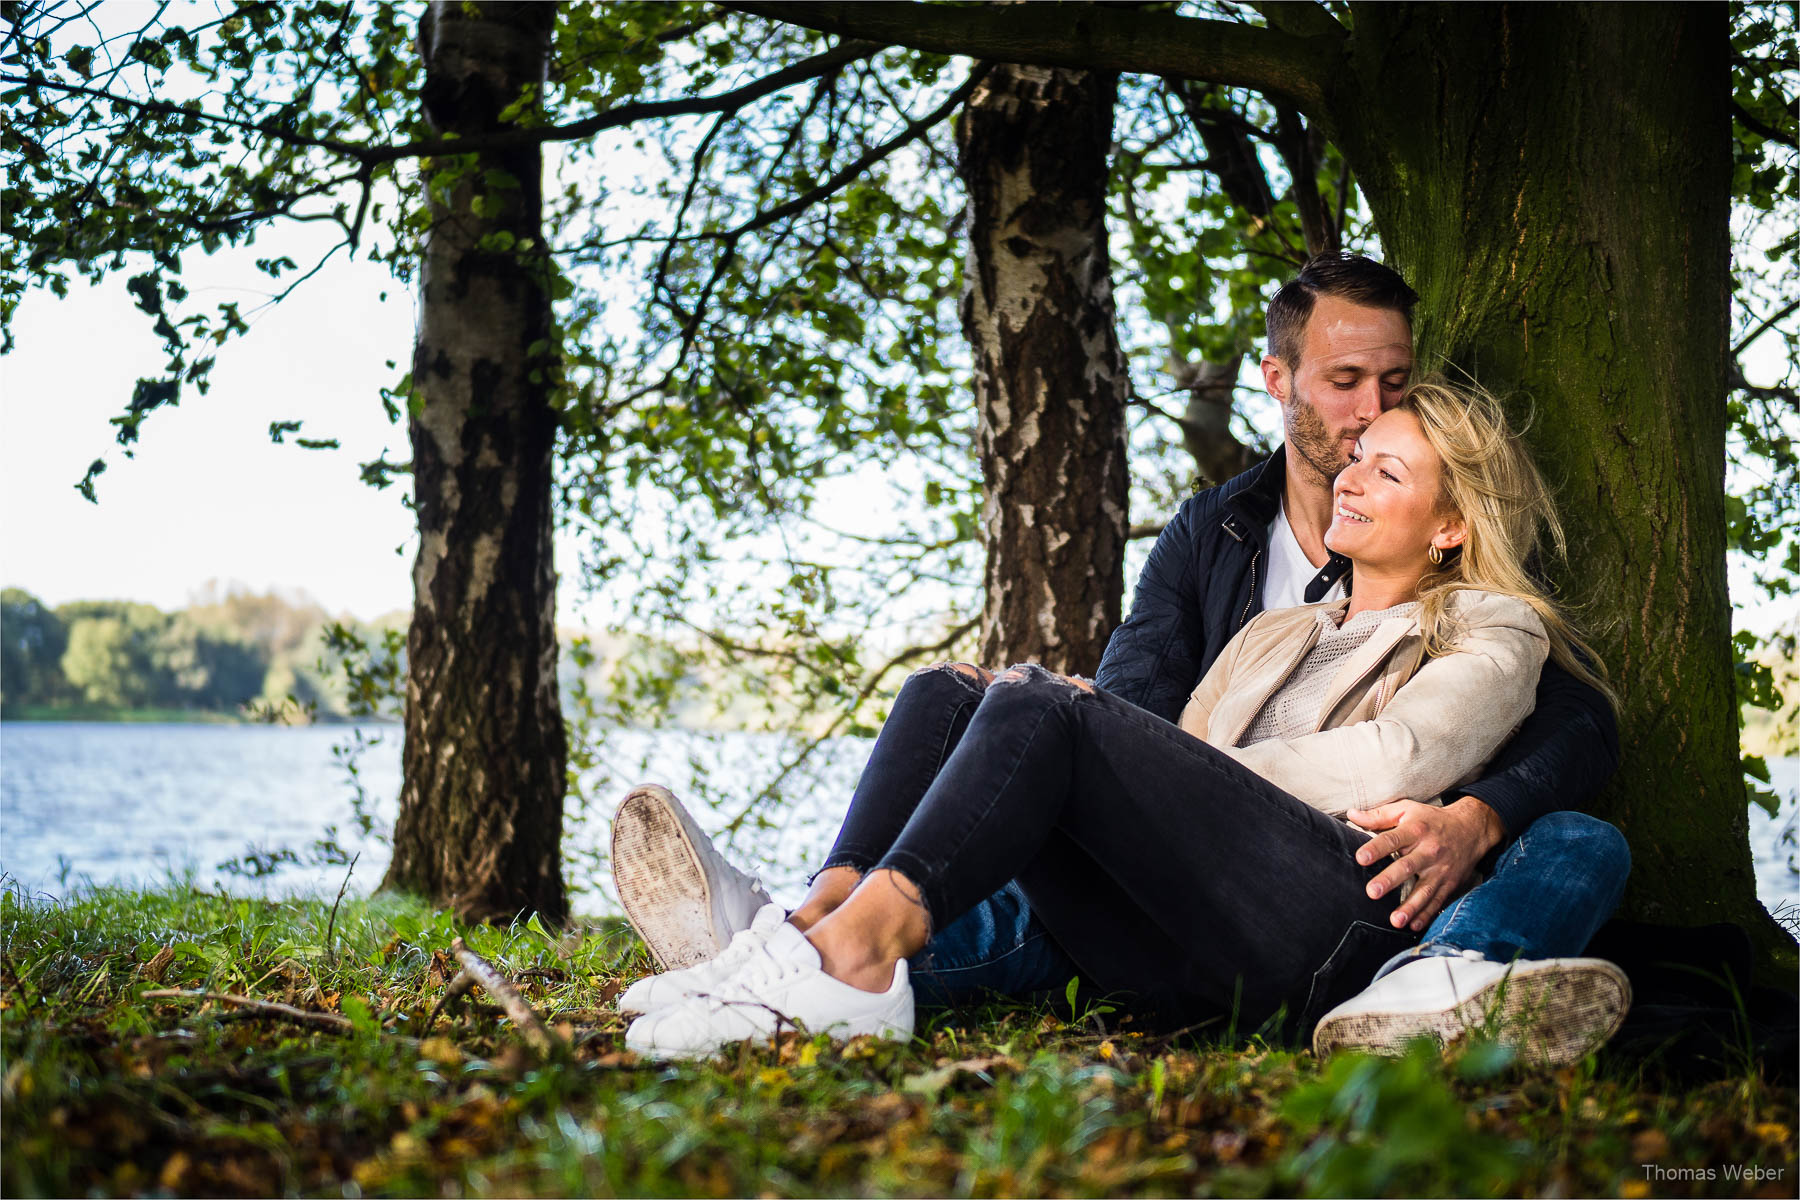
column 1554, row 180
column 1050, row 382
column 480, row 823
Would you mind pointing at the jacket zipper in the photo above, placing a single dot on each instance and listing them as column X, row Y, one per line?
column 1244, row 617
column 1380, row 701
column 1380, row 692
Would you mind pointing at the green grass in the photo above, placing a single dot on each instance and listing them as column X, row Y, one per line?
column 105, row 1091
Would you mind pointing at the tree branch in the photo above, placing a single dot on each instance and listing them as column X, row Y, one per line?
column 1751, row 122
column 870, row 683
column 524, row 1018
column 1764, row 327
column 507, row 139
column 1298, row 70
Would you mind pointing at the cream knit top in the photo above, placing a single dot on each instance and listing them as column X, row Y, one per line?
column 1295, row 708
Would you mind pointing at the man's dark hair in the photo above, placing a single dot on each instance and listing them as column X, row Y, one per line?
column 1348, row 277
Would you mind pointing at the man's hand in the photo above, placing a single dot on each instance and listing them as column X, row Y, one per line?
column 1439, row 845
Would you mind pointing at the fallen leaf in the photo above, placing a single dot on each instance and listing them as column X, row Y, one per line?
column 441, row 1050
column 1772, row 1131
column 1228, row 1145
column 932, row 1082
column 159, row 963
column 1650, row 1146
column 175, row 1171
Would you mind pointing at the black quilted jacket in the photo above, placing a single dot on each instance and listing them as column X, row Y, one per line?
column 1203, row 582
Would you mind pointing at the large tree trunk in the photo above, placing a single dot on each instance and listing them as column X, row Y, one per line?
column 1554, row 181
column 1050, row 381
column 480, row 821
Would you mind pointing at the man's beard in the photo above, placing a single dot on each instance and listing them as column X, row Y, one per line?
column 1316, row 445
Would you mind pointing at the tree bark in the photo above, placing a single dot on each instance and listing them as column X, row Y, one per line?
column 1050, row 382
column 480, row 823
column 1554, row 180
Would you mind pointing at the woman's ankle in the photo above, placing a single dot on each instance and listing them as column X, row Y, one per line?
column 884, row 921
column 830, row 888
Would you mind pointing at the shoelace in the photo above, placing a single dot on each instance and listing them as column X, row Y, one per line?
column 742, row 944
column 761, row 969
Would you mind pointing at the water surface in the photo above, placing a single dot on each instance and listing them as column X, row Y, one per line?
column 116, row 804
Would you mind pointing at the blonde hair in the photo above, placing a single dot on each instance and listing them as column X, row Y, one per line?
column 1488, row 477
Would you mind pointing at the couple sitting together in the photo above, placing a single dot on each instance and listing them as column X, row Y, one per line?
column 1341, row 715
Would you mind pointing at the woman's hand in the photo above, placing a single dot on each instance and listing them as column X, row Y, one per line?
column 1440, row 846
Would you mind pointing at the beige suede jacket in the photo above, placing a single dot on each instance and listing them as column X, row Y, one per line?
column 1395, row 724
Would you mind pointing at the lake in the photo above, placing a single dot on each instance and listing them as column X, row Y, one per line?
column 113, row 804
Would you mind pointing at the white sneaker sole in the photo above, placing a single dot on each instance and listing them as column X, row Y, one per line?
column 661, row 883
column 1552, row 1013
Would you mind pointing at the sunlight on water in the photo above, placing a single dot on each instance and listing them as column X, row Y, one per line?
column 108, row 804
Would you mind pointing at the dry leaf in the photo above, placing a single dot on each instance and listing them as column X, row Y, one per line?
column 175, row 1172
column 158, row 964
column 1650, row 1146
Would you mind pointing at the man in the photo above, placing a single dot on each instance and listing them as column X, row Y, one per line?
column 1340, row 353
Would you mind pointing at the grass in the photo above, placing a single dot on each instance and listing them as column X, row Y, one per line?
column 107, row 1091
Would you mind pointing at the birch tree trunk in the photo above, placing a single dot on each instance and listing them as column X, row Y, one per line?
column 480, row 823
column 1051, row 385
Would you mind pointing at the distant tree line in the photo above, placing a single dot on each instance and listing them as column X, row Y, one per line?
column 231, row 652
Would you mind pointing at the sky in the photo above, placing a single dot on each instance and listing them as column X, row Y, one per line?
column 208, row 496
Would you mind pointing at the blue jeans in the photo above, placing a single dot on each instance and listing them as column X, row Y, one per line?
column 1551, row 890
column 999, row 947
column 1549, row 893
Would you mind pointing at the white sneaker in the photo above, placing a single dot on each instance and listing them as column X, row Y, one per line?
column 679, row 893
column 671, row 987
column 1550, row 1010
column 782, row 984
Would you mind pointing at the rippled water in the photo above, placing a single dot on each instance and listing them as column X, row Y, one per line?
column 132, row 803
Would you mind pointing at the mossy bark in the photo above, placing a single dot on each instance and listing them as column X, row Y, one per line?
column 480, row 825
column 1050, row 381
column 1553, row 179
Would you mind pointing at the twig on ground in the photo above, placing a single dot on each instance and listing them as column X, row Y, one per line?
column 264, row 1008
column 531, row 1027
column 456, row 990
column 331, row 926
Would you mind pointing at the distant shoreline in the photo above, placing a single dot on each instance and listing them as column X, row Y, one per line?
column 96, row 715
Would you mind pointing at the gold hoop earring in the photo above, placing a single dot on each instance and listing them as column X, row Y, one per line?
column 1436, row 556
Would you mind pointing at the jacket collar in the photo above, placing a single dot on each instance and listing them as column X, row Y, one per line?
column 1250, row 508
column 1369, row 655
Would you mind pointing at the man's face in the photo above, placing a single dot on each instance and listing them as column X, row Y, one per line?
column 1354, row 362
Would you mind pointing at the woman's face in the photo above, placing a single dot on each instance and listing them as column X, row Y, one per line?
column 1385, row 512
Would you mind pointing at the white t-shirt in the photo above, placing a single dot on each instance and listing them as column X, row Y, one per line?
column 1289, row 569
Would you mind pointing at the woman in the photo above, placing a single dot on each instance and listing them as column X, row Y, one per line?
column 1206, row 869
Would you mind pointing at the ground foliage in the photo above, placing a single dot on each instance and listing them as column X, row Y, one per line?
column 109, row 1092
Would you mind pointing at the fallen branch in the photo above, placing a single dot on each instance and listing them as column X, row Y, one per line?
column 331, row 927
column 457, row 989
column 263, row 1008
column 523, row 1016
